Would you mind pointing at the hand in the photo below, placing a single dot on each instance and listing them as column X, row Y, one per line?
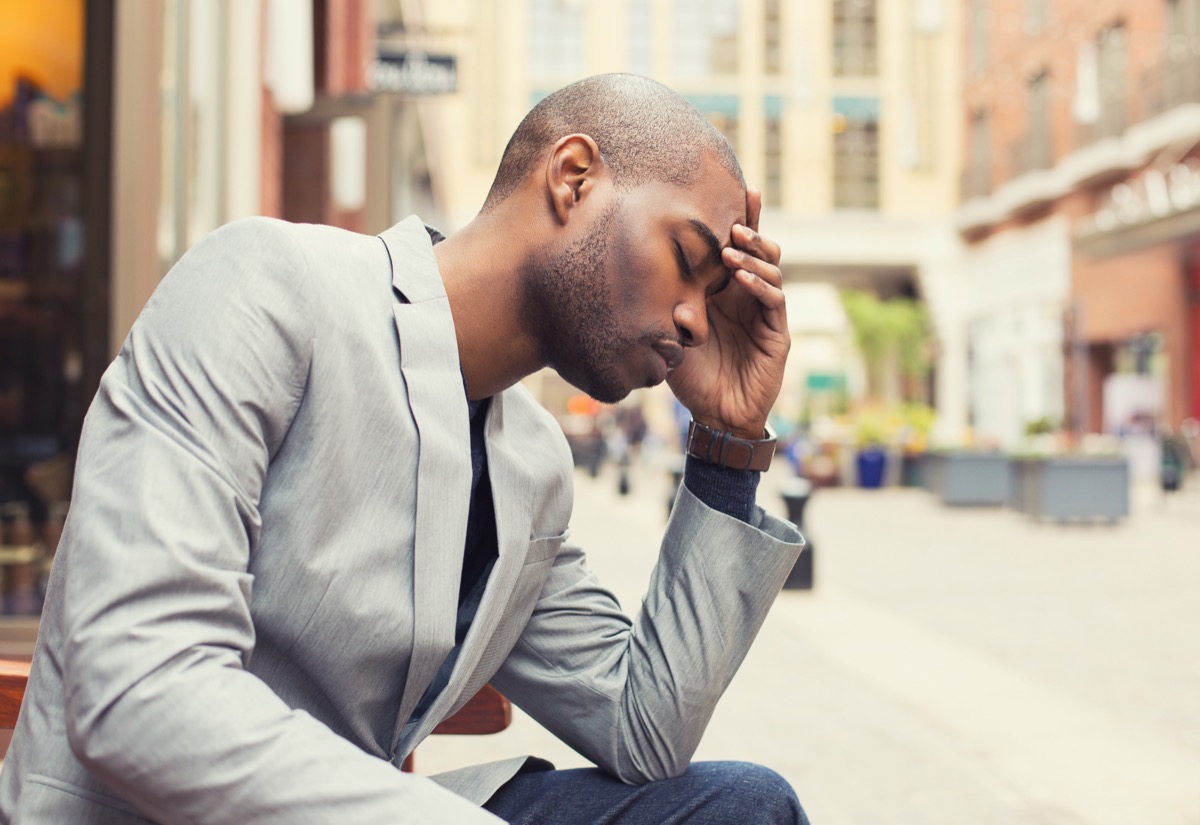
column 732, row 380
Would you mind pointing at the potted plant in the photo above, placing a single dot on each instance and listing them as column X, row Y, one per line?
column 871, row 439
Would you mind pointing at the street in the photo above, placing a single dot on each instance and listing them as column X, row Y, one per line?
column 950, row 666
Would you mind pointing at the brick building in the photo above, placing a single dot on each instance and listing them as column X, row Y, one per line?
column 1081, row 213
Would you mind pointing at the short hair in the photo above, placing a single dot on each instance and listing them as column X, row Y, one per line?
column 645, row 131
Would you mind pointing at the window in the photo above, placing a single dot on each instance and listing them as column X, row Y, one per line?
column 923, row 110
column 640, row 42
column 705, row 38
column 855, row 153
column 1181, row 66
column 1037, row 148
column 721, row 111
column 854, row 38
column 978, row 19
column 977, row 179
column 1112, row 58
column 555, row 39
column 773, row 151
column 772, row 49
column 1035, row 14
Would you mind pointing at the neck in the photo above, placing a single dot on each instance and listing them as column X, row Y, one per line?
column 481, row 266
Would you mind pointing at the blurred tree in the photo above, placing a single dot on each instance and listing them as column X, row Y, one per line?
column 893, row 337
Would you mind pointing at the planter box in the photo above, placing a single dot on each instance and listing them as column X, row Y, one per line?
column 912, row 470
column 964, row 479
column 1071, row 488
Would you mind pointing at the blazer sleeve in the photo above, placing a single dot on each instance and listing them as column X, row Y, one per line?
column 635, row 697
column 156, row 594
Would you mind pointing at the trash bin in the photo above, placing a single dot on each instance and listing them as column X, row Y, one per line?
column 796, row 494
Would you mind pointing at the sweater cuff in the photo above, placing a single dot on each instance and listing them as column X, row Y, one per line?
column 727, row 491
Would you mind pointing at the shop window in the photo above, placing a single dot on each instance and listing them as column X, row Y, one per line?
column 52, row 291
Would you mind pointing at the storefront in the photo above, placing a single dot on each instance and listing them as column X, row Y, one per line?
column 1018, row 283
column 1136, row 289
column 55, row 143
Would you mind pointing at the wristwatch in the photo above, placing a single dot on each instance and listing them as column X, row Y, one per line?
column 727, row 450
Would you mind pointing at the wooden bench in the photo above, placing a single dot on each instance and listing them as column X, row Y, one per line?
column 486, row 712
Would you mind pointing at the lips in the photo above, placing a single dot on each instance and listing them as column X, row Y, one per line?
column 671, row 352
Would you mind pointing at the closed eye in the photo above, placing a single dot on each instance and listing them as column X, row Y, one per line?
column 684, row 266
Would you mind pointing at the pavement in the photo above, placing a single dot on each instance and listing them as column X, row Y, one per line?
column 950, row 665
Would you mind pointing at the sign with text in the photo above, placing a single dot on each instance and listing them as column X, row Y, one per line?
column 413, row 73
column 1157, row 194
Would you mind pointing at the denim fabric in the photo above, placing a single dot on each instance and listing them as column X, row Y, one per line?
column 709, row 793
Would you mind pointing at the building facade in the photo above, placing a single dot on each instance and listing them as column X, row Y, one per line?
column 1082, row 134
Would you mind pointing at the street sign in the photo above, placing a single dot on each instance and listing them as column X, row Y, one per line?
column 413, row 73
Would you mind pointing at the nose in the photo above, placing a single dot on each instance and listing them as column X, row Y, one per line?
column 691, row 322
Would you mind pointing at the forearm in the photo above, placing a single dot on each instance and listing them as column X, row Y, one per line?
column 635, row 697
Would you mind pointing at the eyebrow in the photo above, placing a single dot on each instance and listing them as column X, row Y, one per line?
column 710, row 238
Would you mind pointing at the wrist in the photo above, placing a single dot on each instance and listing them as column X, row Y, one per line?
column 752, row 431
column 726, row 449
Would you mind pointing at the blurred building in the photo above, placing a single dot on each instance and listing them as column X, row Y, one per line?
column 844, row 112
column 128, row 130
column 1081, row 213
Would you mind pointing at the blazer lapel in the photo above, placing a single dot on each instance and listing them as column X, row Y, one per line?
column 512, row 481
column 432, row 375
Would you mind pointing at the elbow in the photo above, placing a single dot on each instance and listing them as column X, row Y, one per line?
column 85, row 731
column 650, row 765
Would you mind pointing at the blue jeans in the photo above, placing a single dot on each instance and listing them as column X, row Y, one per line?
column 710, row 793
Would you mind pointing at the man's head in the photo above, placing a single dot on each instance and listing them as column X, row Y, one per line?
column 645, row 131
column 625, row 195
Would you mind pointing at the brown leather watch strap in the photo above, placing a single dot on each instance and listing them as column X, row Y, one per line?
column 727, row 450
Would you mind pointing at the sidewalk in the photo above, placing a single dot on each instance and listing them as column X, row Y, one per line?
column 951, row 666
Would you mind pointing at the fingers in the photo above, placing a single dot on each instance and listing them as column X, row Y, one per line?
column 754, row 243
column 757, row 261
column 753, row 207
column 769, row 295
column 761, row 279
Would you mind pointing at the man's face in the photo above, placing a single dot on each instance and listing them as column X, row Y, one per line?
column 616, row 307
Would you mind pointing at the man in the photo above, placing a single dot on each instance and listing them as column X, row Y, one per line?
column 314, row 512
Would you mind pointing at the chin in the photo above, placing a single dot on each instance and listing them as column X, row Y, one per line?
column 607, row 389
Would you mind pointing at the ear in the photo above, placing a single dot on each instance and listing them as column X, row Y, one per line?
column 572, row 172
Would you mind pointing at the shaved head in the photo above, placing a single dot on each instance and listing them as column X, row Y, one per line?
column 645, row 132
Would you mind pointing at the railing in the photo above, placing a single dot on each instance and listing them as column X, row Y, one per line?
column 1169, row 84
column 1161, row 87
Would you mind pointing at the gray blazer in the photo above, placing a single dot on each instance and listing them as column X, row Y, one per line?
column 259, row 574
